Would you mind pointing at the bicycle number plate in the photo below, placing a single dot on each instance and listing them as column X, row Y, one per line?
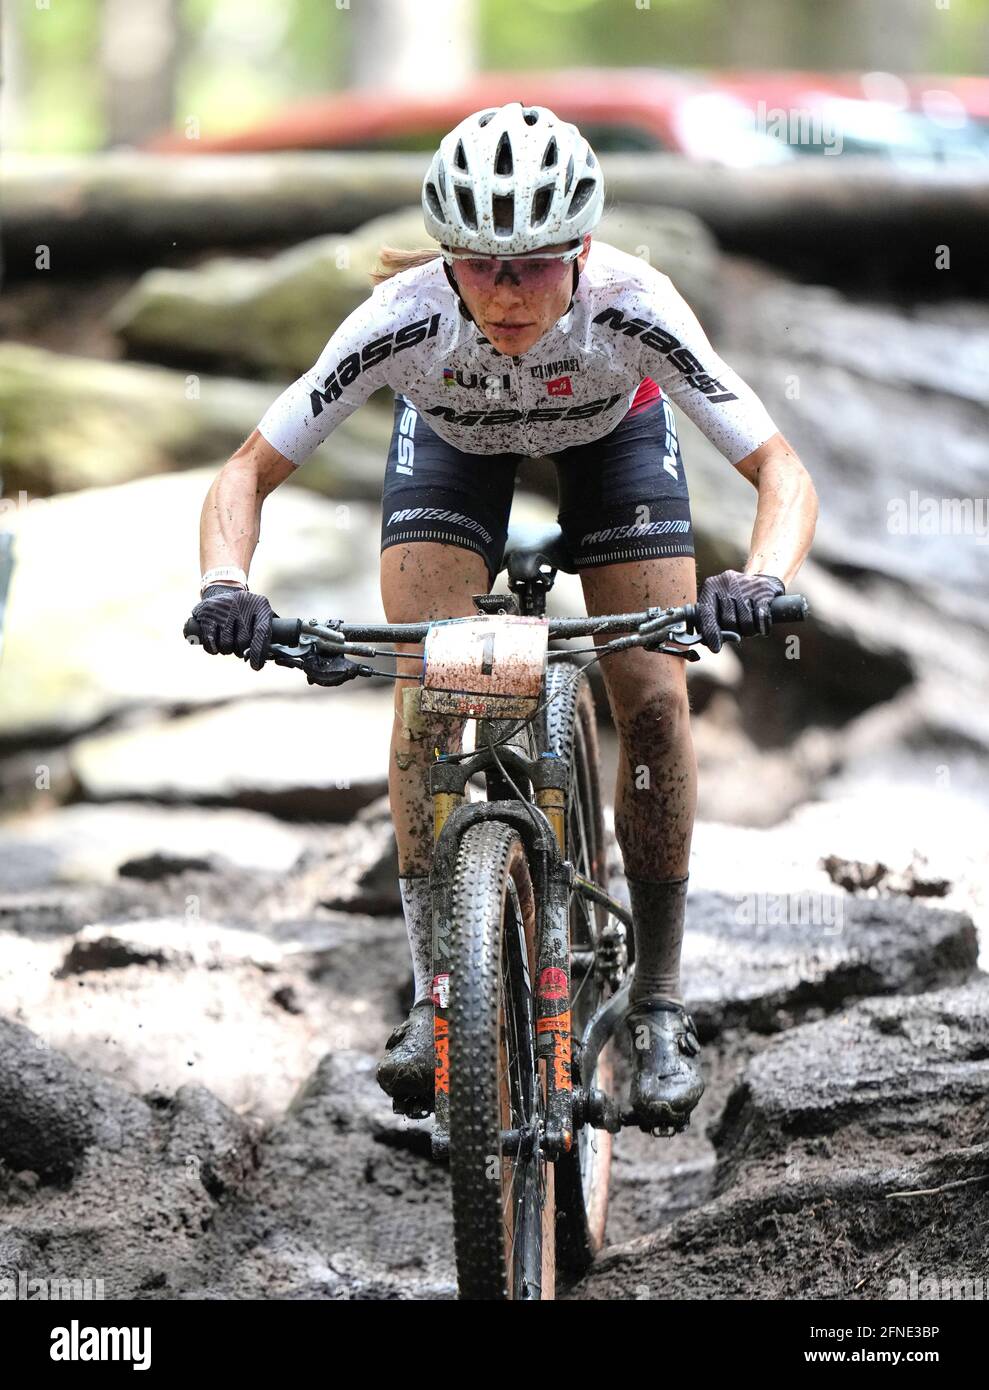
column 488, row 667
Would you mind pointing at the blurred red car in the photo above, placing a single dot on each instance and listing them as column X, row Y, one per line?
column 618, row 110
column 741, row 119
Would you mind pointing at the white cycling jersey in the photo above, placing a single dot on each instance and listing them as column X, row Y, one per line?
column 627, row 322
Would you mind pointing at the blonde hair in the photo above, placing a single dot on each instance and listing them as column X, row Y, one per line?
column 392, row 261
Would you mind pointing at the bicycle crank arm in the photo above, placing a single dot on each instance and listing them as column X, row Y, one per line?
column 601, row 1028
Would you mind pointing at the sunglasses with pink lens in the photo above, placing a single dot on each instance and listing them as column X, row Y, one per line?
column 532, row 270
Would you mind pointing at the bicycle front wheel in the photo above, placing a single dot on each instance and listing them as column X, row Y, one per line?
column 503, row 1209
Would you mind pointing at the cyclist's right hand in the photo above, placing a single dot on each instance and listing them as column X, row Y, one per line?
column 232, row 620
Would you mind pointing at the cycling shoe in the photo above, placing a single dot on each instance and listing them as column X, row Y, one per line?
column 666, row 1081
column 406, row 1070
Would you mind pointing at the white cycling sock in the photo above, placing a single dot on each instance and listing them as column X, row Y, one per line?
column 417, row 906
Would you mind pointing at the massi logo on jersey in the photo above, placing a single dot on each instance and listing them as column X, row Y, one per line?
column 370, row 355
column 682, row 358
column 549, row 369
column 541, row 415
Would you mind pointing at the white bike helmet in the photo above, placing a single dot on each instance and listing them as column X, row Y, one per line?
column 512, row 179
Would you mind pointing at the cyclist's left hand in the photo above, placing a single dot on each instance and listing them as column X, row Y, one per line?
column 736, row 602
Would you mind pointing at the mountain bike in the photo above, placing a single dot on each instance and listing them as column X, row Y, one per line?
column 532, row 956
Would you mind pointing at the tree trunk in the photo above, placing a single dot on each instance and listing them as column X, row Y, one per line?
column 406, row 46
column 859, row 216
column 139, row 58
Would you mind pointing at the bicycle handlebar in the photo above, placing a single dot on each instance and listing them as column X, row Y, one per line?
column 788, row 608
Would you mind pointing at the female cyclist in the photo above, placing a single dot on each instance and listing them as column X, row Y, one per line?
column 519, row 336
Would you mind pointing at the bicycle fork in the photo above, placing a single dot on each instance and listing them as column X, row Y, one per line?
column 541, row 829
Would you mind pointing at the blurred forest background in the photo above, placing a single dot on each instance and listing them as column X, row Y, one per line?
column 93, row 74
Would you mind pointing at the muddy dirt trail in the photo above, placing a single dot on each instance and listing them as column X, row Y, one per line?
column 188, row 1107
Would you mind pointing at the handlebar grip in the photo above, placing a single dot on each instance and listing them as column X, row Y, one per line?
column 789, row 608
column 286, row 631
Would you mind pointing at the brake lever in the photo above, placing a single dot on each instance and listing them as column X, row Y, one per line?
column 688, row 655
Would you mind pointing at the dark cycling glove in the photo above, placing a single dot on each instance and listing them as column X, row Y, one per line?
column 232, row 619
column 737, row 602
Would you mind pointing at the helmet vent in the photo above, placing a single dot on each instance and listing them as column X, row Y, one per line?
column 569, row 180
column 542, row 200
column 441, row 176
column 589, row 159
column 530, row 116
column 487, row 116
column 434, row 203
column 459, row 157
column 549, row 158
column 465, row 202
column 504, row 215
column 503, row 156
column 581, row 196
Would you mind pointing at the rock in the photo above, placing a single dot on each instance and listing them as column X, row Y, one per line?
column 214, row 1144
column 879, row 819
column 165, row 942
column 91, row 843
column 886, row 1079
column 763, row 959
column 834, row 1236
column 915, row 880
column 188, row 997
column 50, row 912
column 276, row 315
column 332, row 762
column 105, row 952
column 77, row 422
column 51, row 1111
column 119, row 644
column 156, row 866
column 128, row 421
column 358, row 872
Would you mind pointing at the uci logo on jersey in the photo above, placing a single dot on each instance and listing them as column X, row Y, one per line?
column 370, row 355
column 681, row 357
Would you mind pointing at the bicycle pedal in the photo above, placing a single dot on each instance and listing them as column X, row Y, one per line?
column 669, row 1131
column 411, row 1109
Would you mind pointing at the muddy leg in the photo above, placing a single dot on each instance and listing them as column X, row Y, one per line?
column 420, row 581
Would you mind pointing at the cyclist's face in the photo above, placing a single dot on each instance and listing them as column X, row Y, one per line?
column 514, row 308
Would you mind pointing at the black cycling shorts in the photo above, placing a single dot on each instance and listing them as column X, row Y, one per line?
column 621, row 497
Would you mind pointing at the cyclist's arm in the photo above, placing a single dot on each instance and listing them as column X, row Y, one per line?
column 351, row 366
column 786, row 513
column 230, row 524
column 681, row 359
column 674, row 350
